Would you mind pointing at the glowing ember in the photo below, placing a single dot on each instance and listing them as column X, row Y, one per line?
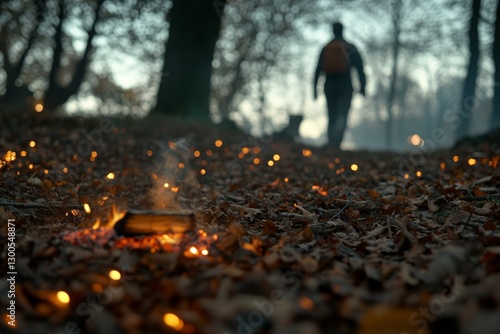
column 270, row 163
column 114, row 217
column 455, row 158
column 419, row 173
column 307, row 153
column 276, row 157
column 166, row 185
column 175, row 189
column 115, row 275
column 286, row 179
column 110, row 176
column 245, row 150
column 203, row 171
column 32, row 143
column 173, row 321
column 63, row 297
column 306, row 303
column 197, row 154
column 24, row 153
column 354, row 167
column 65, row 170
column 204, row 252
column 39, row 107
column 86, row 207
column 181, row 165
column 442, row 166
column 193, row 250
column 416, row 140
column 407, row 176
column 149, row 153
column 9, row 156
column 209, row 153
column 218, row 143
column 472, row 161
column 256, row 161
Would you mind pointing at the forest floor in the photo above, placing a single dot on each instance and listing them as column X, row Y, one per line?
column 288, row 238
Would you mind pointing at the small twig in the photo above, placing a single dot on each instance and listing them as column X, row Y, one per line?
column 410, row 237
column 41, row 206
column 389, row 227
column 341, row 210
column 479, row 198
column 467, row 222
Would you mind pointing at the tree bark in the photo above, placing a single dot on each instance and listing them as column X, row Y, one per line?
column 185, row 83
column 468, row 100
column 56, row 94
column 495, row 113
column 396, row 22
column 13, row 69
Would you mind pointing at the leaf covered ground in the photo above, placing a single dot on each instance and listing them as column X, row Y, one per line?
column 289, row 239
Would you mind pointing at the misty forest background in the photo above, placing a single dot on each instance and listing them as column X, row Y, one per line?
column 430, row 65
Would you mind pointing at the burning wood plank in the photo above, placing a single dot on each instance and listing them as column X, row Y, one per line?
column 147, row 222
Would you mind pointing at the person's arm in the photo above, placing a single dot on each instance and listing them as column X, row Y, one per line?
column 357, row 62
column 317, row 74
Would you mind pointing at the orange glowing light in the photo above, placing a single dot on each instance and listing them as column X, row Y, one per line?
column 354, row 167
column 193, row 250
column 203, row 171
column 32, row 143
column 149, row 153
column 336, row 160
column 166, row 239
column 65, row 170
column 276, row 157
column 93, row 154
column 331, row 165
column 86, row 207
column 286, row 179
column 175, row 189
column 209, row 153
column 241, row 155
column 256, row 150
column 197, row 153
column 270, row 163
column 30, row 166
column 113, row 218
column 245, row 150
column 306, row 303
column 407, row 176
column 181, row 165
column 173, row 321
column 472, row 161
column 46, row 171
column 307, row 153
column 455, row 158
column 110, row 176
column 419, row 173
column 166, row 185
column 38, row 107
column 218, row 143
column 215, row 237
column 96, row 287
column 204, row 252
column 63, row 297
column 115, row 275
column 442, row 165
column 9, row 156
column 24, row 153
column 416, row 140
column 256, row 161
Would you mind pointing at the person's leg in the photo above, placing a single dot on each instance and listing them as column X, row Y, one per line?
column 342, row 110
column 331, row 102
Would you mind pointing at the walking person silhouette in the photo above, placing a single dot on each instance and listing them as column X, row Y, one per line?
column 335, row 61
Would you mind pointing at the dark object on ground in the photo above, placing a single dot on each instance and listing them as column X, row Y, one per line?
column 145, row 222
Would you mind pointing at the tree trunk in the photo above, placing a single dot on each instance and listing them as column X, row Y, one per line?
column 495, row 113
column 13, row 92
column 187, row 68
column 56, row 94
column 396, row 22
column 468, row 101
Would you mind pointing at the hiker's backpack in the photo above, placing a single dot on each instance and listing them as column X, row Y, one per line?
column 336, row 58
